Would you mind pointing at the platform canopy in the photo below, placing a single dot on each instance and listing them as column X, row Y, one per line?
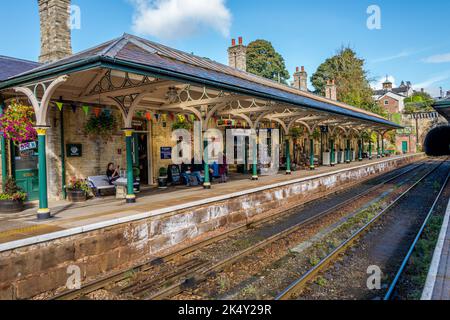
column 135, row 74
column 443, row 108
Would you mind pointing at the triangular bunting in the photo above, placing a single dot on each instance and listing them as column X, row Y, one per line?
column 97, row 111
column 86, row 110
column 59, row 105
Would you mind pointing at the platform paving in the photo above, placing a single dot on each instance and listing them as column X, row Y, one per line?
column 108, row 211
column 437, row 286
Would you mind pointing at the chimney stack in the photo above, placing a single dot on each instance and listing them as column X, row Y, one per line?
column 56, row 42
column 301, row 79
column 237, row 55
column 331, row 90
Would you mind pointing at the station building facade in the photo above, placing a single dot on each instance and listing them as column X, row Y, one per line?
column 148, row 89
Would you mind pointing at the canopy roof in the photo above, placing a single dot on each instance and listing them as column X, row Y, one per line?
column 443, row 108
column 136, row 55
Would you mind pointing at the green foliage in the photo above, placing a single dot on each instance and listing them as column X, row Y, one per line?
column 12, row 191
column 353, row 85
column 297, row 132
column 162, row 172
column 263, row 60
column 102, row 126
column 419, row 102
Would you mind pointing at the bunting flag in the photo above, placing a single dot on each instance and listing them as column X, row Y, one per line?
column 157, row 117
column 148, row 116
column 164, row 117
column 107, row 112
column 86, row 110
column 97, row 111
column 59, row 105
column 172, row 116
column 139, row 114
column 192, row 117
column 74, row 108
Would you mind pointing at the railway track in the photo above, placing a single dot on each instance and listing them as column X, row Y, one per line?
column 194, row 271
column 301, row 283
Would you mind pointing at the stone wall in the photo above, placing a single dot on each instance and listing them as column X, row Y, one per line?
column 34, row 269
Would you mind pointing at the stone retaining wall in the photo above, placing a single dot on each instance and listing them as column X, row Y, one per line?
column 28, row 271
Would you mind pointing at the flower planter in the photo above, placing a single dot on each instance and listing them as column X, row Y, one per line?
column 76, row 195
column 11, row 206
column 162, row 182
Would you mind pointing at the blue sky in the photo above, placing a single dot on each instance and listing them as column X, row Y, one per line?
column 411, row 44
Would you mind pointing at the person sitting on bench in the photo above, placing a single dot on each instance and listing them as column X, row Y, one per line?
column 112, row 173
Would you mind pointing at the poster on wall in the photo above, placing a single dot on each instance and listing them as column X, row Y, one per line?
column 74, row 150
column 166, row 153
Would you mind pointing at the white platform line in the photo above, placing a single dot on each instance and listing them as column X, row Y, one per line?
column 140, row 216
column 427, row 293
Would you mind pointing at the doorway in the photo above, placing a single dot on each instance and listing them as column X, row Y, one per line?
column 140, row 152
column 25, row 168
column 405, row 147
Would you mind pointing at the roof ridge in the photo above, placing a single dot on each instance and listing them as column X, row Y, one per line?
column 18, row 59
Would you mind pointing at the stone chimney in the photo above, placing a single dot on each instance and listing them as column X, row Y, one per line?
column 301, row 79
column 331, row 90
column 56, row 42
column 237, row 55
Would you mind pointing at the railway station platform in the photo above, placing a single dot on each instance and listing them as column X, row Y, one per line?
column 103, row 236
column 437, row 286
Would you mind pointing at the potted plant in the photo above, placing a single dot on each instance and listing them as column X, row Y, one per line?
column 162, row 179
column 77, row 190
column 12, row 198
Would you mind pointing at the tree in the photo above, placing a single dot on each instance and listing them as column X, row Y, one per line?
column 353, row 85
column 263, row 60
column 419, row 102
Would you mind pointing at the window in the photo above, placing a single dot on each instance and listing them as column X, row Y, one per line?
column 386, row 102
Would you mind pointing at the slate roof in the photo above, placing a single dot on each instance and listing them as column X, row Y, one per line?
column 142, row 55
column 10, row 67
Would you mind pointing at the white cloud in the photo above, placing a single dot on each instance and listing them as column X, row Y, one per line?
column 174, row 19
column 438, row 58
column 379, row 83
column 431, row 81
column 399, row 55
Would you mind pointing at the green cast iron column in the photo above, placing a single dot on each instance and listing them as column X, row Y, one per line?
column 246, row 155
column 4, row 164
column 63, row 156
column 370, row 148
column 44, row 211
column 347, row 152
column 288, row 155
column 255, row 162
column 3, row 146
column 311, row 153
column 332, row 158
column 254, row 156
column 382, row 146
column 131, row 197
column 378, row 147
column 360, row 147
column 207, row 181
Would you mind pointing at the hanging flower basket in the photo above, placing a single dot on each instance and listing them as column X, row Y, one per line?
column 102, row 125
column 17, row 123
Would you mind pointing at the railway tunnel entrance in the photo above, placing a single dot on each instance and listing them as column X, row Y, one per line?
column 437, row 141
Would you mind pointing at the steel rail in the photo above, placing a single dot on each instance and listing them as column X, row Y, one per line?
column 400, row 271
column 199, row 274
column 122, row 275
column 300, row 283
